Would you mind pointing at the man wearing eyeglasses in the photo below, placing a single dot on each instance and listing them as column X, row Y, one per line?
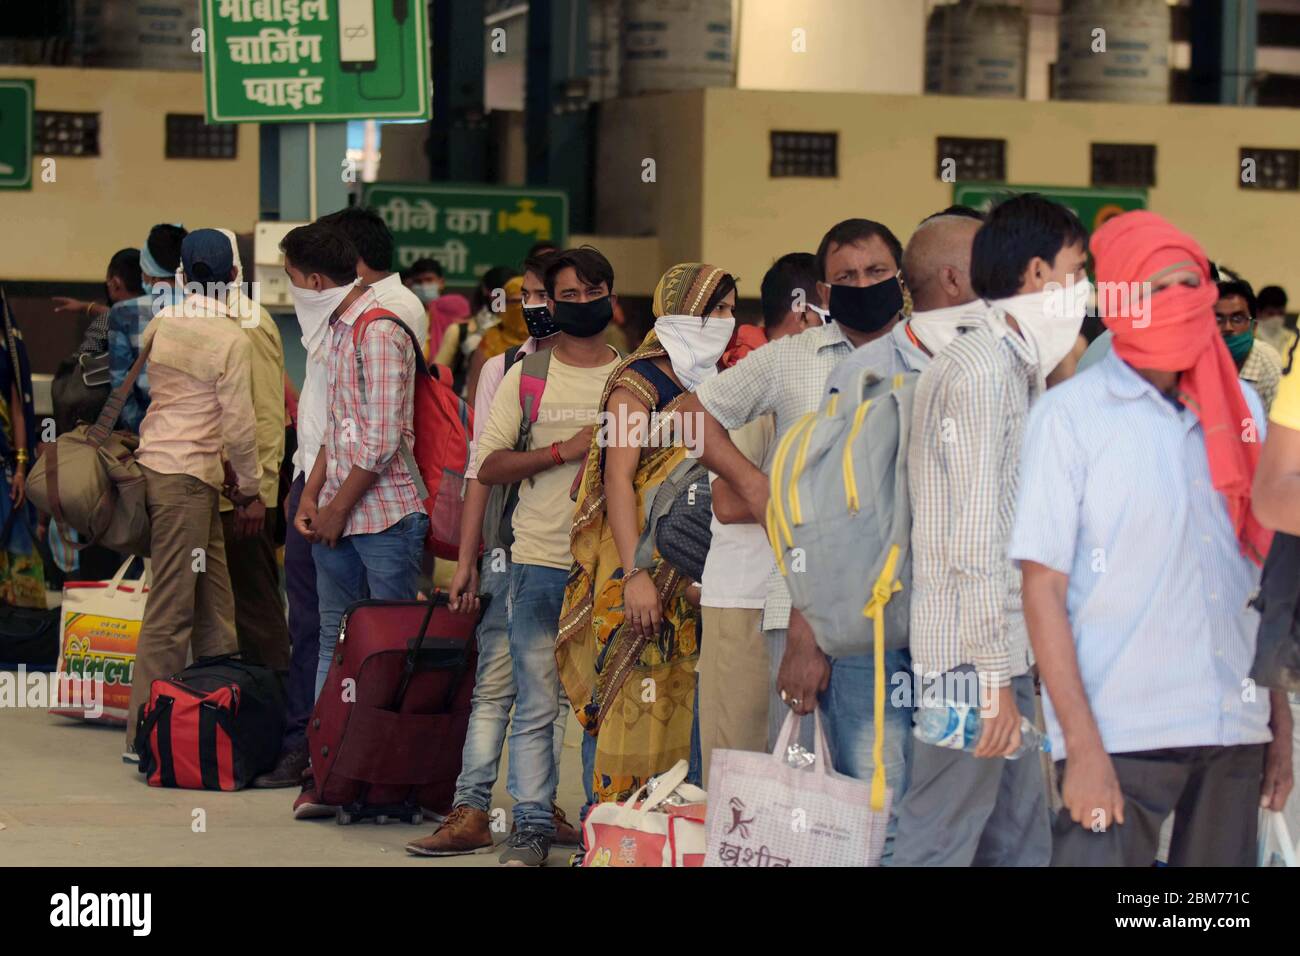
column 1258, row 363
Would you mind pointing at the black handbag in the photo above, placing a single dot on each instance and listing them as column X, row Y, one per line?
column 684, row 534
column 1277, row 645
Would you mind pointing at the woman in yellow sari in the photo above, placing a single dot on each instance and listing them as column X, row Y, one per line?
column 629, row 631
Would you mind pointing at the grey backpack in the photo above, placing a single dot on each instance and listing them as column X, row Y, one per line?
column 839, row 517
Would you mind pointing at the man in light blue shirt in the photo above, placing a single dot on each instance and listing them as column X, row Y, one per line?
column 1136, row 597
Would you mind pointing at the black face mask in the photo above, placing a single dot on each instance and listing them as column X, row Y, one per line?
column 867, row 309
column 583, row 319
column 539, row 321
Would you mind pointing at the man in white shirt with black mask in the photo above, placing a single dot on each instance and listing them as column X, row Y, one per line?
column 936, row 270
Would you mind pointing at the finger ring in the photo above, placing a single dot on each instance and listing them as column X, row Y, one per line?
column 785, row 698
column 794, row 701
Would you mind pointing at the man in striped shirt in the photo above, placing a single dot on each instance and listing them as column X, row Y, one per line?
column 966, row 808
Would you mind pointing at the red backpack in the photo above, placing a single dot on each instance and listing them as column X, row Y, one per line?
column 443, row 425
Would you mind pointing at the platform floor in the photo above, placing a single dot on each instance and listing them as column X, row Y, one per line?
column 67, row 799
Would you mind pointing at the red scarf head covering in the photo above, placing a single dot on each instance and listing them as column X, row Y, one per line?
column 744, row 340
column 1176, row 332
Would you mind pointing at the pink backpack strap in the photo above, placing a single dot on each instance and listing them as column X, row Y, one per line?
column 532, row 382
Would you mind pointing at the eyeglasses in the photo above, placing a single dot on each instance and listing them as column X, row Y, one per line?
column 1237, row 323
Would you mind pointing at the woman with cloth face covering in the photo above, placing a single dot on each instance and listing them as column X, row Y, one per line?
column 626, row 621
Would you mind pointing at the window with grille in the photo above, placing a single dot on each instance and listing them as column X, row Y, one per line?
column 962, row 159
column 1270, row 169
column 66, row 134
column 1123, row 164
column 805, row 154
column 189, row 137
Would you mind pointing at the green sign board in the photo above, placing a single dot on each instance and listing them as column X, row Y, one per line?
column 1092, row 206
column 468, row 229
column 17, row 110
column 286, row 61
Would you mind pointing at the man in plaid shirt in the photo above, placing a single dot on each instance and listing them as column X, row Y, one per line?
column 159, row 258
column 360, row 508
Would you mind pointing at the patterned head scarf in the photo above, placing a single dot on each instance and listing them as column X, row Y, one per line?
column 687, row 289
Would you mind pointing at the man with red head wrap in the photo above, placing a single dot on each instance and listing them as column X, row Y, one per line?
column 1139, row 553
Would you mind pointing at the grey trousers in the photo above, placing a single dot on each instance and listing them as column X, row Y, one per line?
column 1213, row 793
column 962, row 810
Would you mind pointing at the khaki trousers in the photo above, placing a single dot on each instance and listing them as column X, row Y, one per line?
column 260, row 624
column 190, row 605
column 734, row 682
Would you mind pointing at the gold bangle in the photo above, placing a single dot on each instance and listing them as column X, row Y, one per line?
column 21, row 456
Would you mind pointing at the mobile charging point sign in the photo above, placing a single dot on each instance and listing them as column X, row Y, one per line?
column 285, row 61
column 1093, row 206
column 17, row 115
column 468, row 229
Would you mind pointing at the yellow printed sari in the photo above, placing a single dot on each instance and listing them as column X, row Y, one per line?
column 637, row 694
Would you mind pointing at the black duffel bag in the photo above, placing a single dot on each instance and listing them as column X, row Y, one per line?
column 214, row 726
column 28, row 636
column 1277, row 645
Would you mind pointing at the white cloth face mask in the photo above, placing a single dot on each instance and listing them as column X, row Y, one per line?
column 314, row 308
column 1050, row 320
column 938, row 328
column 694, row 345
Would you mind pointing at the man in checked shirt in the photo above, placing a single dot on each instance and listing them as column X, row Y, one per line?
column 360, row 508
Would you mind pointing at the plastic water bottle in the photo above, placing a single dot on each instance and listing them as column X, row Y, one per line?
column 957, row 726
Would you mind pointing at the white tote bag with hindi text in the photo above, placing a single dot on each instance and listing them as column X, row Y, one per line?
column 763, row 812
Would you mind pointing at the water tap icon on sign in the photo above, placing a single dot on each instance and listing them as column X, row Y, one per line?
column 524, row 220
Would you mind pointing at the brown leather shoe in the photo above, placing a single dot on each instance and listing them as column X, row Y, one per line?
column 566, row 834
column 464, row 831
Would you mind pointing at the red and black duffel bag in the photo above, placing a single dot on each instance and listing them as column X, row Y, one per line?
column 389, row 725
column 214, row 726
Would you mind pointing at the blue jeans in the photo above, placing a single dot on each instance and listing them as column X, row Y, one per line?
column 494, row 695
column 388, row 561
column 847, row 707
column 536, row 596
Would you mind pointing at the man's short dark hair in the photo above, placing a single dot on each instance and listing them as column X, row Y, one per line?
column 587, row 261
column 322, row 249
column 421, row 266
column 955, row 210
column 794, row 272
column 368, row 232
column 165, row 245
column 1272, row 297
column 852, row 231
column 1020, row 228
column 125, row 264
column 1235, row 285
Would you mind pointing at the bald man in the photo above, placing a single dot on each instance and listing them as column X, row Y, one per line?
column 936, row 269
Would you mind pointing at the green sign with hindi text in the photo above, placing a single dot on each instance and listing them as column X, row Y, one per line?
column 286, row 61
column 468, row 229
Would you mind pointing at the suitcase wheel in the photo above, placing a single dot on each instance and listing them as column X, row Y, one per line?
column 416, row 818
column 342, row 817
column 381, row 818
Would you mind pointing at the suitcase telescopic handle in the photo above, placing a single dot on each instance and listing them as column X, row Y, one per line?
column 438, row 600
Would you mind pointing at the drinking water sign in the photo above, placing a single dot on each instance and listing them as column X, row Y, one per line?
column 468, row 229
column 285, row 61
column 1093, row 206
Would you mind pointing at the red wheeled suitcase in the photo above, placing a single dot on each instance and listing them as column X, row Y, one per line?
column 386, row 735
